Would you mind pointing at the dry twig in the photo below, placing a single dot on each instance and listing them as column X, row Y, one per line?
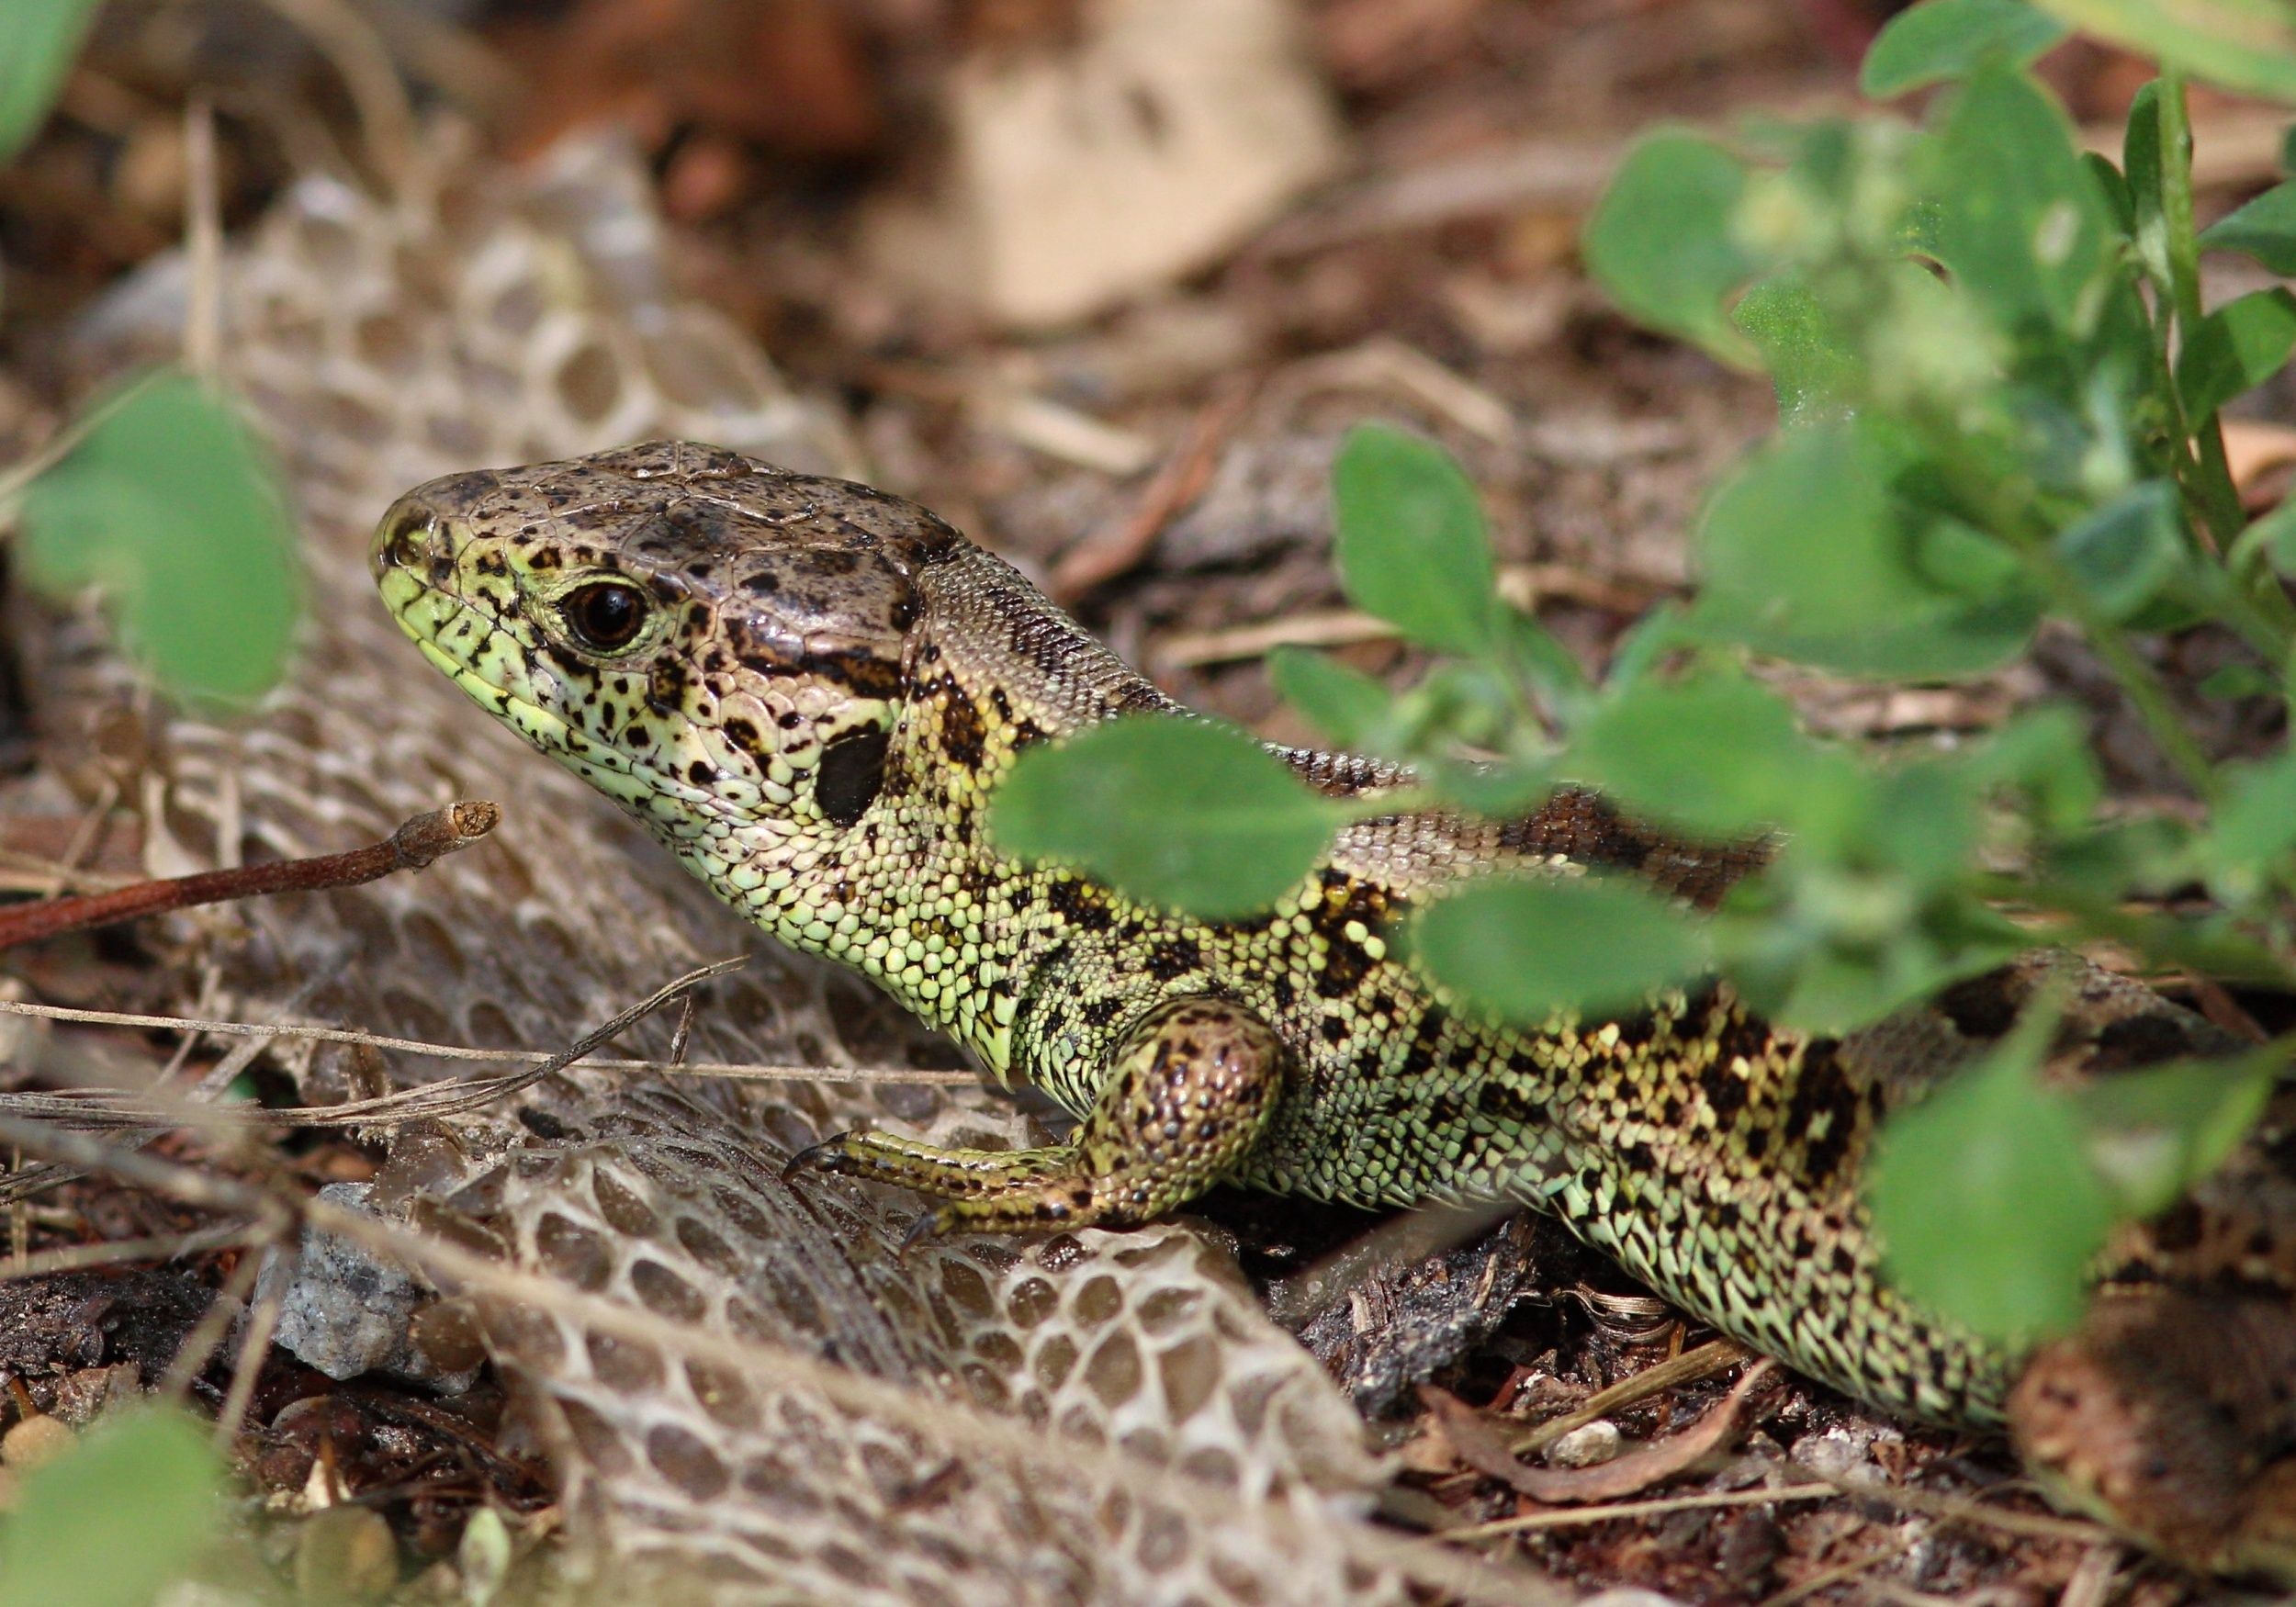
column 420, row 841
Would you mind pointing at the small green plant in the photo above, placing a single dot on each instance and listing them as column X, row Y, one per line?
column 124, row 1511
column 158, row 496
column 1997, row 393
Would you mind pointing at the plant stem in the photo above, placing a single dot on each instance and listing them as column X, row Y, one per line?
column 2143, row 687
column 2219, row 500
column 2017, row 524
column 2157, row 938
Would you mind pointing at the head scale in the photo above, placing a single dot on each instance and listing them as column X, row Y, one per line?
column 718, row 645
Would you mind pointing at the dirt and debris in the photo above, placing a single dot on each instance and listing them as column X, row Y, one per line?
column 1126, row 370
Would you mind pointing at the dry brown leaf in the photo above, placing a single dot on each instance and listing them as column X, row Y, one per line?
column 1483, row 1447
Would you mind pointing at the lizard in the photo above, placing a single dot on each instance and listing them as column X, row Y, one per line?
column 807, row 689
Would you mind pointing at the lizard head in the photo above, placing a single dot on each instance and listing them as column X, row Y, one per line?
column 717, row 645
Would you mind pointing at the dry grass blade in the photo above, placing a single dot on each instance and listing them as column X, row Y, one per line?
column 1706, row 1361
column 1567, row 1517
column 153, row 1111
column 734, row 1070
column 149, row 1247
column 1954, row 1508
column 150, row 1111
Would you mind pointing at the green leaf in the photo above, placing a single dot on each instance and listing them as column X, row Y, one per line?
column 1946, row 38
column 1542, row 663
column 1983, row 1198
column 2021, row 223
column 1169, row 811
column 1811, row 362
column 1346, row 705
column 2244, row 45
column 2236, row 349
column 115, row 1518
column 1526, row 947
column 2110, row 180
column 2044, row 753
column 2126, row 552
column 2229, row 681
column 170, row 507
column 1662, row 243
column 2121, row 859
column 1718, row 755
column 39, row 42
column 1645, row 646
column 2152, row 1133
column 2141, row 165
column 1807, row 555
column 2265, row 229
column 2252, row 831
column 2270, row 540
column 1411, row 546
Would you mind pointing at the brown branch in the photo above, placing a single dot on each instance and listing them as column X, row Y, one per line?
column 411, row 847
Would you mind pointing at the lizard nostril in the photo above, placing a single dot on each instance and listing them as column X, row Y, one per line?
column 403, row 540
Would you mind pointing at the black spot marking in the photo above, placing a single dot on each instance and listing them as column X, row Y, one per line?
column 1980, row 1008
column 664, row 685
column 1421, row 1056
column 1504, row 1102
column 1345, row 964
column 1080, row 902
column 2140, row 1040
column 851, row 775
column 1824, row 1098
column 1175, row 957
column 1742, row 1037
column 964, row 735
column 745, row 736
column 1724, row 1088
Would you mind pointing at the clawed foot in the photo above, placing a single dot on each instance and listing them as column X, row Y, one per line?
column 1186, row 1099
column 824, row 1156
column 988, row 1191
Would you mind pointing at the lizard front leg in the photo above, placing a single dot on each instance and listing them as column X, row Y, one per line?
column 1189, row 1091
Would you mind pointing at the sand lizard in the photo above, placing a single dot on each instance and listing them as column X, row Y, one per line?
column 806, row 689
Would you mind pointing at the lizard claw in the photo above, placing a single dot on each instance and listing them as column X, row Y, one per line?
column 929, row 1225
column 824, row 1156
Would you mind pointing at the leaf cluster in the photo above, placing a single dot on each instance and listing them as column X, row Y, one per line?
column 1997, row 393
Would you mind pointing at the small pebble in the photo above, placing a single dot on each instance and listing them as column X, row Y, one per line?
column 34, row 1441
column 1585, row 1445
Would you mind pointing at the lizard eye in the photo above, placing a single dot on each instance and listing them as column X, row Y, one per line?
column 604, row 615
